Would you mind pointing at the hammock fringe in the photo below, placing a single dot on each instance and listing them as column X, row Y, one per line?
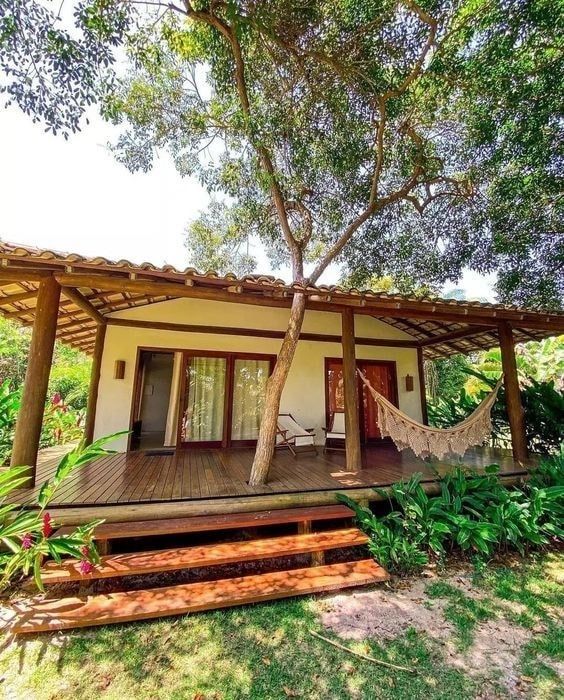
column 426, row 441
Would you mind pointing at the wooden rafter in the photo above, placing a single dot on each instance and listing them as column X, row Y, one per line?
column 82, row 302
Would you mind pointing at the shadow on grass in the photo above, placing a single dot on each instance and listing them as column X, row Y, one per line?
column 256, row 652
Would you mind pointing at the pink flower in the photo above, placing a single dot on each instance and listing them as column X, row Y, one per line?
column 85, row 567
column 27, row 541
column 56, row 399
column 47, row 527
column 85, row 549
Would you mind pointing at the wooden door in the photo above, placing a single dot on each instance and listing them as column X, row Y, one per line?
column 383, row 377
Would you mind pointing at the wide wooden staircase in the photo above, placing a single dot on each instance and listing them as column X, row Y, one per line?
column 57, row 613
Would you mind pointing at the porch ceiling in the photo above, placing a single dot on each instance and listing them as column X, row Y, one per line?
column 96, row 287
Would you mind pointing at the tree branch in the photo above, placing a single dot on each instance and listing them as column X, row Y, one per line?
column 267, row 163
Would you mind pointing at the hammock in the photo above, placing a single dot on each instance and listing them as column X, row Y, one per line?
column 426, row 441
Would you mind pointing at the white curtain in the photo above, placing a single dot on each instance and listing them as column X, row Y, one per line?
column 249, row 390
column 174, row 402
column 203, row 419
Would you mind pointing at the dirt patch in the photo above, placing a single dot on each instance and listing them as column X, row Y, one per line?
column 384, row 614
column 495, row 652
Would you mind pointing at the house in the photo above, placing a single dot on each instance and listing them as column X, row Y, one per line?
column 181, row 360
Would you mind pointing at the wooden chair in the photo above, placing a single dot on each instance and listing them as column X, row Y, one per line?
column 335, row 432
column 290, row 434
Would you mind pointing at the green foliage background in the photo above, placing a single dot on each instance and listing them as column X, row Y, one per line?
column 70, row 373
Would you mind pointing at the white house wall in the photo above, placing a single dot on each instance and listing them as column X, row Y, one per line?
column 304, row 393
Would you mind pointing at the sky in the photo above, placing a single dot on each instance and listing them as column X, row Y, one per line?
column 73, row 196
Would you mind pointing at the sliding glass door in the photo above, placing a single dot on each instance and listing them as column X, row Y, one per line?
column 205, row 400
column 249, row 389
column 223, row 398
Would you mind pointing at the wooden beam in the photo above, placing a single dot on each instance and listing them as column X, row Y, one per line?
column 94, row 384
column 30, row 417
column 350, row 381
column 376, row 307
column 76, row 332
column 22, row 274
column 422, row 389
column 16, row 298
column 512, row 393
column 172, row 289
column 254, row 332
column 457, row 335
column 79, row 300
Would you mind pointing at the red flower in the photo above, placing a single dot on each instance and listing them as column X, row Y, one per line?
column 85, row 549
column 27, row 541
column 47, row 527
column 85, row 567
column 56, row 399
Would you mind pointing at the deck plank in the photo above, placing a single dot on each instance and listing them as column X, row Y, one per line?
column 195, row 474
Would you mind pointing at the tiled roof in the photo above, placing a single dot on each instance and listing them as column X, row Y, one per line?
column 425, row 319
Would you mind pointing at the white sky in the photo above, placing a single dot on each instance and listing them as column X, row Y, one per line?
column 74, row 196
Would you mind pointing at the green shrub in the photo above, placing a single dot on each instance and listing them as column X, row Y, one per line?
column 543, row 405
column 71, row 383
column 9, row 407
column 61, row 423
column 474, row 513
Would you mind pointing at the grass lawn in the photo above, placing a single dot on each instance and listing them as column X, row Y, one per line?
column 266, row 651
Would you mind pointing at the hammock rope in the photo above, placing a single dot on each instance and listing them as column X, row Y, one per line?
column 426, row 441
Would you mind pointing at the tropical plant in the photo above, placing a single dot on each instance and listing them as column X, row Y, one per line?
column 70, row 369
column 9, row 407
column 29, row 534
column 475, row 513
column 61, row 423
column 543, row 405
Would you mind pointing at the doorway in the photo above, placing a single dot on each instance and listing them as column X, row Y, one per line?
column 155, row 394
column 381, row 374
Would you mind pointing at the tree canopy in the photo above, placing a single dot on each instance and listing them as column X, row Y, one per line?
column 503, row 77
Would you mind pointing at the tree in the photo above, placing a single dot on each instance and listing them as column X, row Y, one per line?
column 507, row 64
column 319, row 119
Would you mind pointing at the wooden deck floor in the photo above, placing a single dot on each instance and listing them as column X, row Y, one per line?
column 138, row 478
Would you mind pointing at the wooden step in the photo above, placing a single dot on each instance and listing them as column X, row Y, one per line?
column 204, row 555
column 206, row 523
column 127, row 606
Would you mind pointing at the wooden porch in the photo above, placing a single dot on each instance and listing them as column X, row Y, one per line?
column 191, row 482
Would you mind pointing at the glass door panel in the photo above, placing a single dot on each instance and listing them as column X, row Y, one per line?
column 249, row 390
column 205, row 399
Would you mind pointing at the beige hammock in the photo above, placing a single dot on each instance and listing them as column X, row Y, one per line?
column 426, row 441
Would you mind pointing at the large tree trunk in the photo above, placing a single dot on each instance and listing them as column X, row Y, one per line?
column 267, row 435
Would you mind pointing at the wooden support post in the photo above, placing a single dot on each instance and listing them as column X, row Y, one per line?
column 30, row 417
column 422, row 390
column 94, row 383
column 512, row 392
column 350, row 381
